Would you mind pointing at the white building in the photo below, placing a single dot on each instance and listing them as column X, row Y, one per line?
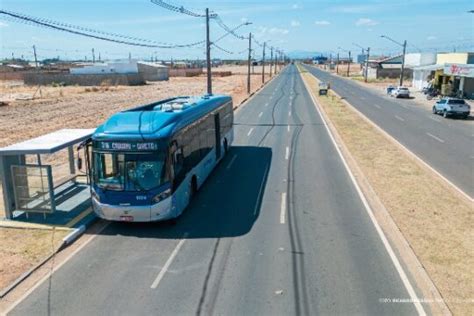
column 149, row 71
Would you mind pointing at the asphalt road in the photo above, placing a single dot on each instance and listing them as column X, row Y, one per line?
column 447, row 145
column 278, row 229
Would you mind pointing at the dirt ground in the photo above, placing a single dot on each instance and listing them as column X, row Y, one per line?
column 21, row 249
column 87, row 107
column 436, row 221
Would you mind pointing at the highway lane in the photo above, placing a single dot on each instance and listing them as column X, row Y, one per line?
column 447, row 145
column 278, row 229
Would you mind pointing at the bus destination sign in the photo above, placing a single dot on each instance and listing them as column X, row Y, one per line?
column 129, row 146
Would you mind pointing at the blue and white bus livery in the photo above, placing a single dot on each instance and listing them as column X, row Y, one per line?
column 146, row 163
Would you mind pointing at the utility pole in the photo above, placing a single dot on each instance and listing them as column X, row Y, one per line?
column 129, row 57
column 36, row 59
column 367, row 64
column 271, row 61
column 276, row 63
column 248, row 66
column 403, row 62
column 337, row 64
column 99, row 56
column 93, row 56
column 208, row 55
column 263, row 64
column 349, row 64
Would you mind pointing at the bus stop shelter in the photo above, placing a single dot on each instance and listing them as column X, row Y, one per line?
column 30, row 187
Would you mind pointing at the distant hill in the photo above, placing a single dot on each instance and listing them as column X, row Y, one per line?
column 300, row 54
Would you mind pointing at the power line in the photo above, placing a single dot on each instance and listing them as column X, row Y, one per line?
column 83, row 32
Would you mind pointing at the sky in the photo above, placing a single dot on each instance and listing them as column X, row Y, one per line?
column 327, row 26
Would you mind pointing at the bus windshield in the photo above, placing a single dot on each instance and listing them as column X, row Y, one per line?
column 129, row 172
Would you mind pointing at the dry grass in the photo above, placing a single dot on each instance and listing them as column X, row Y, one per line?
column 436, row 221
column 21, row 249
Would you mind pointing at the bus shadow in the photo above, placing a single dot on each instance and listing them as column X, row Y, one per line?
column 227, row 205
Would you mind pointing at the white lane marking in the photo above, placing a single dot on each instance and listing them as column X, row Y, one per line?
column 260, row 192
column 406, row 282
column 289, row 113
column 160, row 276
column 362, row 98
column 283, row 208
column 434, row 119
column 266, row 104
column 377, row 106
column 260, row 115
column 435, row 137
column 250, row 132
column 399, row 118
column 231, row 162
column 289, row 104
column 287, row 153
column 288, row 128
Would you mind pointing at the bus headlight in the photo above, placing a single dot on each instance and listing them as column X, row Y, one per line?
column 161, row 196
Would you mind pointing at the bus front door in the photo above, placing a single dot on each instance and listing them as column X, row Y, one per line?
column 218, row 135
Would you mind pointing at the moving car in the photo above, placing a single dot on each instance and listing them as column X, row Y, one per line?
column 400, row 92
column 452, row 107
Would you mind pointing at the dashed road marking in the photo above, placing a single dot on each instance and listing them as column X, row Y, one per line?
column 399, row 118
column 435, row 137
column 287, row 153
column 288, row 128
column 160, row 276
column 283, row 208
column 377, row 106
column 434, row 119
column 260, row 115
column 289, row 113
column 250, row 132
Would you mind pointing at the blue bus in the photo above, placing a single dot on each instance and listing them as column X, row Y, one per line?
column 145, row 164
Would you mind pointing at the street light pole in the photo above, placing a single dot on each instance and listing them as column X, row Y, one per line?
column 349, row 64
column 404, row 45
column 208, row 55
column 263, row 64
column 271, row 61
column 403, row 62
column 367, row 65
column 248, row 66
column 337, row 64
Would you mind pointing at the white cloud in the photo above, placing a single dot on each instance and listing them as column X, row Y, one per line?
column 3, row 24
column 244, row 20
column 366, row 22
column 276, row 30
column 322, row 22
column 431, row 38
column 296, row 6
column 295, row 23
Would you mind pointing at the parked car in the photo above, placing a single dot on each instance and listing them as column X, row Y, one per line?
column 400, row 92
column 452, row 107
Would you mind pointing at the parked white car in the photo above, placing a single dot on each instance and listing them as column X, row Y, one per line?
column 400, row 92
column 452, row 107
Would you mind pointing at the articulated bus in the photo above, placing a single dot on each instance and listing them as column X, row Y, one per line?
column 145, row 164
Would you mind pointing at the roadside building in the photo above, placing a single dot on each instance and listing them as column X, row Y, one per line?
column 390, row 67
column 452, row 74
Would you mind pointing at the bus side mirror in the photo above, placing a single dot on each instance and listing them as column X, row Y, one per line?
column 79, row 163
